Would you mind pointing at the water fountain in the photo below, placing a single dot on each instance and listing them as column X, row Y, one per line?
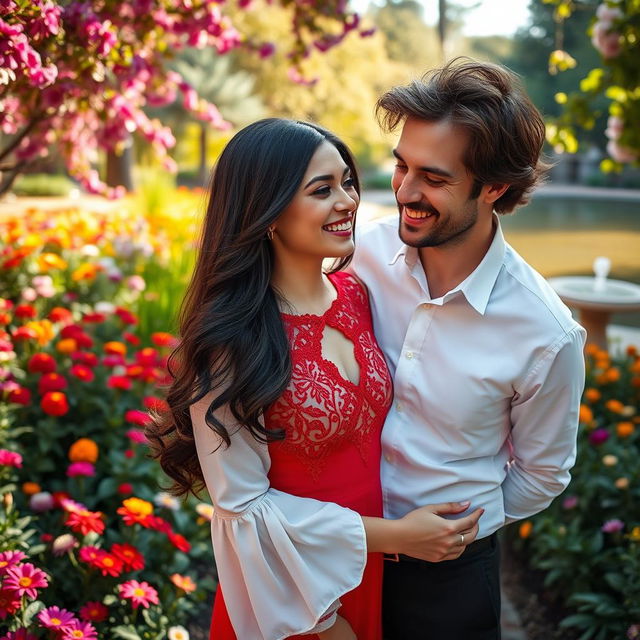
column 596, row 298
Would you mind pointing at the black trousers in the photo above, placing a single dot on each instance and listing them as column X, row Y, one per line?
column 450, row 600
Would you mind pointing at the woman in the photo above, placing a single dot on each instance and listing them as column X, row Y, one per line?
column 280, row 393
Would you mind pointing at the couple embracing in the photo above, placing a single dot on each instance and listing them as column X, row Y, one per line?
column 364, row 431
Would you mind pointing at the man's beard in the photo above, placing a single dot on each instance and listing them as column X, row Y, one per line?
column 451, row 231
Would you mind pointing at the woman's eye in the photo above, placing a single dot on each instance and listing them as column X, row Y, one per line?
column 349, row 183
column 322, row 191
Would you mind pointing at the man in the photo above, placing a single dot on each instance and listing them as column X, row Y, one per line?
column 487, row 361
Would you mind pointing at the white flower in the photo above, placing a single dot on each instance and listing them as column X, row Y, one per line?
column 177, row 633
column 105, row 307
column 90, row 251
column 204, row 510
column 167, row 501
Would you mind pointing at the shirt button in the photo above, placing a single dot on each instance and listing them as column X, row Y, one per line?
column 387, row 457
column 398, row 406
column 409, row 355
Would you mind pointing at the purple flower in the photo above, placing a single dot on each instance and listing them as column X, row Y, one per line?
column 633, row 632
column 612, row 526
column 42, row 501
column 570, row 502
column 598, row 437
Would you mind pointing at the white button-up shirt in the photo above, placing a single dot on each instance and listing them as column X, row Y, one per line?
column 487, row 381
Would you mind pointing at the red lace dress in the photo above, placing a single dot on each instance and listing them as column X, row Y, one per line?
column 331, row 451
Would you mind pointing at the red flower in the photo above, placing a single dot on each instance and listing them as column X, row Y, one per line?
column 130, row 556
column 126, row 316
column 89, row 554
column 52, row 382
column 59, row 498
column 82, row 372
column 163, row 339
column 129, row 453
column 94, row 612
column 9, row 602
column 54, row 403
column 125, row 489
column 134, row 371
column 5, row 318
column 20, row 395
column 25, row 333
column 87, row 358
column 155, row 404
column 94, row 317
column 131, row 338
column 74, row 331
column 113, row 360
column 135, row 416
column 85, row 521
column 60, row 314
column 179, row 542
column 119, row 382
column 159, row 524
column 25, row 311
column 108, row 564
column 41, row 363
column 147, row 357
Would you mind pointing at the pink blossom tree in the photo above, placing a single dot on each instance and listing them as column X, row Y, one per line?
column 76, row 75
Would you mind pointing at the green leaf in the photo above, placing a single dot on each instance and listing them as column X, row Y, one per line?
column 616, row 581
column 580, row 620
column 128, row 632
column 32, row 610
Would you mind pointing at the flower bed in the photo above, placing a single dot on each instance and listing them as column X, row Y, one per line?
column 89, row 544
column 588, row 540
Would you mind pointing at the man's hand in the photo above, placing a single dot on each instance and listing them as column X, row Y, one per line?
column 428, row 536
column 341, row 630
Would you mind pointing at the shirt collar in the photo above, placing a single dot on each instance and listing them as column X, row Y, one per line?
column 477, row 286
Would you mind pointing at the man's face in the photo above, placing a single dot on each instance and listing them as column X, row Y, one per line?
column 432, row 185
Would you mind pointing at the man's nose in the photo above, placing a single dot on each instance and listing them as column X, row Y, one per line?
column 408, row 191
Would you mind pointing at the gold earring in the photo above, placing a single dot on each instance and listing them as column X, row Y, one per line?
column 270, row 233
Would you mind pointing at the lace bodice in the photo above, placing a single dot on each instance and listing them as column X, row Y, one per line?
column 322, row 411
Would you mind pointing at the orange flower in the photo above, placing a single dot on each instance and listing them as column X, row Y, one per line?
column 635, row 382
column 44, row 331
column 625, row 429
column 525, row 529
column 591, row 349
column 31, row 487
column 118, row 348
column 86, row 272
column 183, row 582
column 592, row 395
column 613, row 374
column 632, row 351
column 635, row 367
column 67, row 345
column 586, row 415
column 83, row 450
column 163, row 339
column 615, row 406
column 48, row 261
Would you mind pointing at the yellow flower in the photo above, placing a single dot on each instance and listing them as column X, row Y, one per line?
column 625, row 429
column 44, row 329
column 83, row 450
column 204, row 510
column 115, row 347
column 48, row 261
column 525, row 529
column 138, row 506
column 635, row 534
column 86, row 271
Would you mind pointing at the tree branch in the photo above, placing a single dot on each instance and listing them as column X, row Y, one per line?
column 7, row 182
column 20, row 136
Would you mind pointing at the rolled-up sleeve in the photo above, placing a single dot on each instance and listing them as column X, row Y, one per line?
column 283, row 560
column 544, row 419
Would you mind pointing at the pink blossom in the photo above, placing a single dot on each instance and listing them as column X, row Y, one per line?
column 81, row 469
column 10, row 559
column 570, row 502
column 140, row 593
column 10, row 459
column 63, row 543
column 55, row 619
column 137, row 435
column 598, row 436
column 620, row 153
column 612, row 526
column 608, row 14
column 266, row 50
column 25, row 579
column 78, row 630
column 136, row 283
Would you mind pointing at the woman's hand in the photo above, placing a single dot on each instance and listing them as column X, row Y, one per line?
column 341, row 630
column 426, row 535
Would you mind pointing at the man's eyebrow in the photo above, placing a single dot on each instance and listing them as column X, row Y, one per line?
column 326, row 177
column 434, row 170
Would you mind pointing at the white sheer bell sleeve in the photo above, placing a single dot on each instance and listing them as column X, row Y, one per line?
column 283, row 561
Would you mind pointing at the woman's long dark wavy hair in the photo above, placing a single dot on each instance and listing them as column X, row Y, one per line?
column 232, row 336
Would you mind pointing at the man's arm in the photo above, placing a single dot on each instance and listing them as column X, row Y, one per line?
column 544, row 419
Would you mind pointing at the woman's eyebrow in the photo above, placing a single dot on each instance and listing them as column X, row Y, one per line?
column 327, row 176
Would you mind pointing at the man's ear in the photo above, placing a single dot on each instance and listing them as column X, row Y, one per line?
column 491, row 192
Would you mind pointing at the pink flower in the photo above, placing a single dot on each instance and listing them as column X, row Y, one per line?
column 80, row 631
column 598, row 436
column 25, row 579
column 136, row 435
column 612, row 526
column 10, row 459
column 620, row 153
column 55, row 618
column 136, row 283
column 64, row 543
column 10, row 559
column 94, row 612
column 140, row 593
column 135, row 416
column 570, row 502
column 42, row 501
column 81, row 469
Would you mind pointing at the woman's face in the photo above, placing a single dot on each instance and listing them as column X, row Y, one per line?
column 318, row 221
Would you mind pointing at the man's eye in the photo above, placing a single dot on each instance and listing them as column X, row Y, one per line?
column 401, row 167
column 435, row 183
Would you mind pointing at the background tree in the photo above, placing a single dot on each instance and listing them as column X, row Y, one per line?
column 78, row 75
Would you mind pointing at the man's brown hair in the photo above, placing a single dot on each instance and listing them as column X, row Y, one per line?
column 506, row 131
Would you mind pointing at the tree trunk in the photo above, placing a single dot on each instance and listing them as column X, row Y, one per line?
column 442, row 28
column 119, row 167
column 203, row 171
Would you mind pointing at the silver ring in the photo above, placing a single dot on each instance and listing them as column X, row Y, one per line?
column 462, row 539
